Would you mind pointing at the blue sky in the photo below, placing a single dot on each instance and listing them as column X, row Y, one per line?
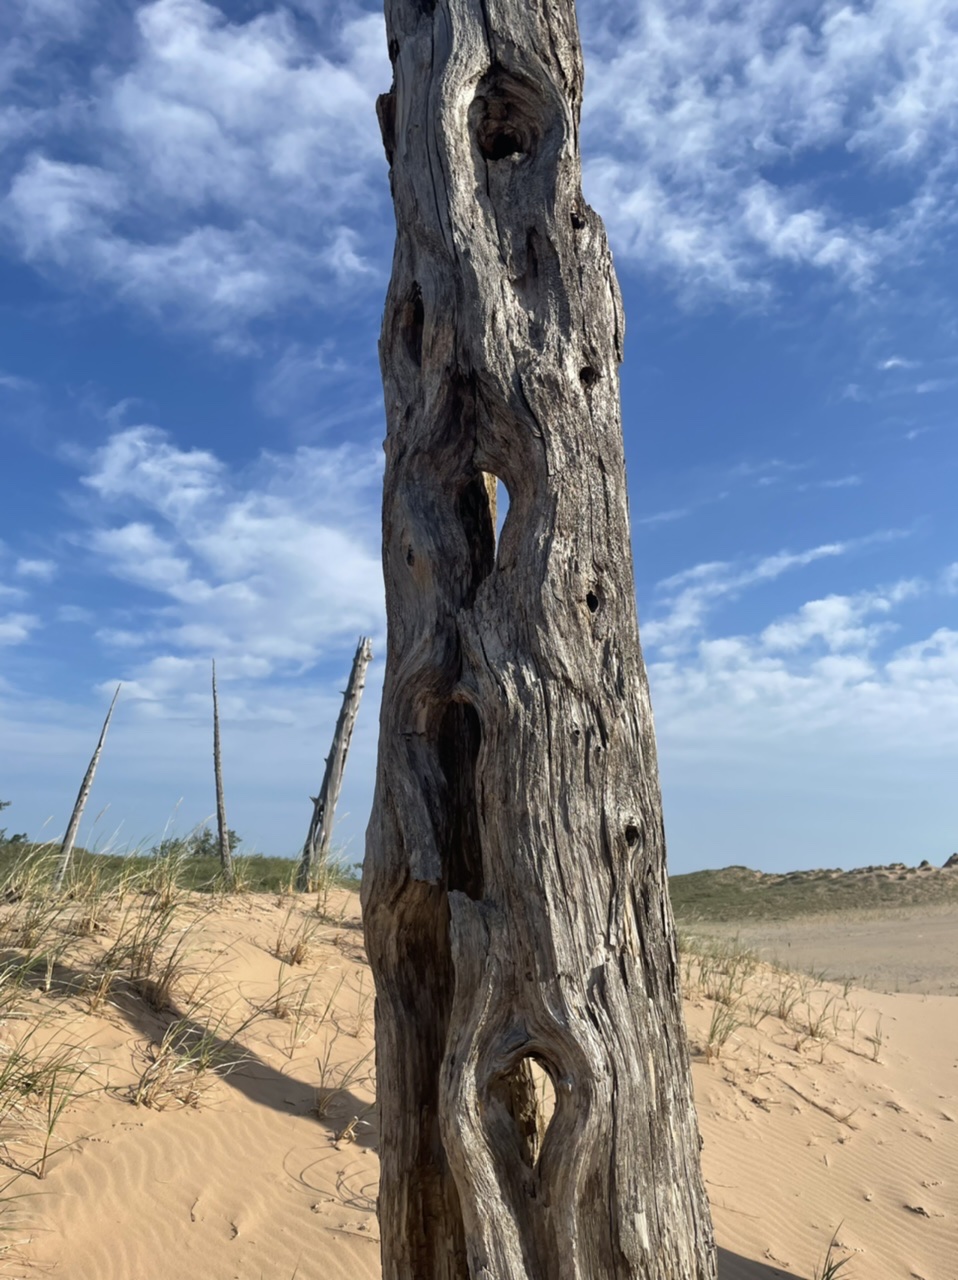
column 195, row 239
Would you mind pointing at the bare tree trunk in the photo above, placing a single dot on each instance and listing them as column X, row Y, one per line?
column 223, row 831
column 515, row 893
column 316, row 849
column 69, row 840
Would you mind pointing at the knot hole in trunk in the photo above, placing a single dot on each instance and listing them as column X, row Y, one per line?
column 506, row 116
column 460, row 737
column 412, row 319
column 528, row 1094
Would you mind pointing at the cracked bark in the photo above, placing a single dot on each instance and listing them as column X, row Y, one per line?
column 515, row 895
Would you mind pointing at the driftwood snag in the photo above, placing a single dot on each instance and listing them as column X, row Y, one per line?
column 86, row 786
column 515, row 894
column 222, row 827
column 315, row 855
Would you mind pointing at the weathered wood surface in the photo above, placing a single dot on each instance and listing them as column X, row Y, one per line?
column 316, row 847
column 86, row 786
column 222, row 827
column 514, row 890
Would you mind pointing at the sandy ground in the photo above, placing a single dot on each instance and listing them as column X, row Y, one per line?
column 909, row 949
column 842, row 1115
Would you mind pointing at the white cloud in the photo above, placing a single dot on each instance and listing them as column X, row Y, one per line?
column 265, row 569
column 690, row 595
column 837, row 482
column 839, row 622
column 898, row 362
column 664, row 517
column 54, row 207
column 143, row 466
column 17, row 627
column 43, row 570
column 231, row 167
column 699, row 117
column 931, row 385
column 828, row 678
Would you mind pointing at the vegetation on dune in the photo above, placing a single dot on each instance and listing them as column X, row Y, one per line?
column 255, row 873
column 17, row 838
column 739, row 894
column 127, row 932
column 124, row 939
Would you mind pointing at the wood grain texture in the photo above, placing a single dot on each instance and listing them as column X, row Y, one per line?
column 315, row 853
column 515, row 895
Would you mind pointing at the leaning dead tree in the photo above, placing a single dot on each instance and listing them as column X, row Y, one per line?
column 69, row 840
column 316, row 849
column 515, row 894
column 222, row 828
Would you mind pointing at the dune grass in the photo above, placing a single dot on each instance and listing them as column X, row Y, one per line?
column 745, row 992
column 255, row 873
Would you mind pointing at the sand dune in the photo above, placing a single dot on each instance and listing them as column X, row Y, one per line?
column 240, row 1175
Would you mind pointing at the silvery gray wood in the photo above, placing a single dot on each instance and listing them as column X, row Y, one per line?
column 515, row 896
column 69, row 840
column 316, row 848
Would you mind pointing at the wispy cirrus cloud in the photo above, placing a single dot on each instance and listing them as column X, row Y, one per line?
column 688, row 597
column 701, row 117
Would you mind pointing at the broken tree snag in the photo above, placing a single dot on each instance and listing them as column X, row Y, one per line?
column 315, row 853
column 222, row 828
column 514, row 889
column 86, row 786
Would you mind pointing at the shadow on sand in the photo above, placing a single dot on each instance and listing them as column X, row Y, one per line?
column 732, row 1266
column 252, row 1077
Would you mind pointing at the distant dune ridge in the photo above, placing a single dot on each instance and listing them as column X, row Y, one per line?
column 219, row 1095
column 738, row 893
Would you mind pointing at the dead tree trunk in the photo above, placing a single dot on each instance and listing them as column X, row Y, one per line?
column 316, row 849
column 515, row 894
column 69, row 840
column 222, row 828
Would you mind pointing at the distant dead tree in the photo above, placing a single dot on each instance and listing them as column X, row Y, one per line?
column 69, row 840
column 316, row 849
column 514, row 891
column 222, row 827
